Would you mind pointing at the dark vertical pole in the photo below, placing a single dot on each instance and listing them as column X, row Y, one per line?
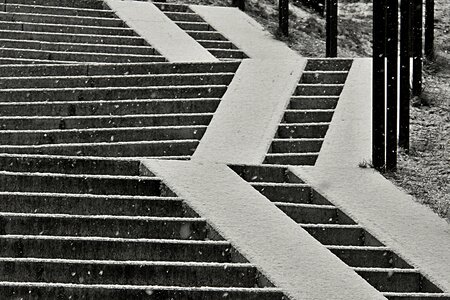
column 405, row 65
column 391, row 80
column 331, row 27
column 378, row 85
column 429, row 30
column 283, row 15
column 239, row 3
column 417, row 45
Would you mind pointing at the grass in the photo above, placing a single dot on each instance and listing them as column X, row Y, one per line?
column 424, row 172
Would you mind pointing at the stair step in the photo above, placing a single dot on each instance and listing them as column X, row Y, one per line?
column 323, row 77
column 327, row 64
column 397, row 280
column 313, row 213
column 58, row 10
column 105, row 121
column 306, row 145
column 317, row 102
column 183, row 16
column 227, row 53
column 132, row 150
column 117, row 80
column 343, row 235
column 114, row 108
column 284, row 192
column 302, row 130
column 216, row 44
column 119, row 292
column 118, row 249
column 68, row 165
column 118, row 69
column 196, row 26
column 113, row 93
column 131, row 272
column 25, row 61
column 103, row 226
column 80, row 184
column 83, row 57
column 66, row 28
column 206, row 35
column 319, row 89
column 307, row 115
column 93, row 4
column 265, row 174
column 100, row 135
column 82, row 204
column 172, row 7
column 296, row 159
column 71, row 38
column 368, row 257
column 416, row 296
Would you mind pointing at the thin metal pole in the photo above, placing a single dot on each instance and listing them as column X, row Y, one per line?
column 283, row 14
column 331, row 27
column 405, row 65
column 417, row 46
column 391, row 90
column 378, row 85
column 429, row 30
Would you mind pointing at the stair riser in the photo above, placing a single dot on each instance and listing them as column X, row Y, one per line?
column 313, row 103
column 227, row 53
column 318, row 90
column 296, row 160
column 398, row 282
column 80, row 185
column 307, row 116
column 114, row 108
column 328, row 65
column 80, row 123
column 264, row 174
column 286, row 194
column 141, row 81
column 111, row 150
column 64, row 3
column 94, row 206
column 103, row 136
column 342, row 236
column 184, row 17
column 55, row 19
column 306, row 131
column 17, row 8
column 295, row 146
column 120, row 69
column 121, row 251
column 69, row 166
column 112, row 93
column 206, row 35
column 323, row 78
column 194, row 26
column 169, row 7
column 31, row 293
column 314, row 215
column 216, row 44
column 370, row 258
column 113, row 228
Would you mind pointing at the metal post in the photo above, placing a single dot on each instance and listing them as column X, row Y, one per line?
column 429, row 30
column 378, row 85
column 391, row 80
column 331, row 27
column 417, row 45
column 239, row 3
column 405, row 64
column 283, row 15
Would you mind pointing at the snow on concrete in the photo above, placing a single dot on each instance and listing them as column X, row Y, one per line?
column 247, row 118
column 348, row 139
column 410, row 229
column 244, row 32
column 160, row 32
column 284, row 252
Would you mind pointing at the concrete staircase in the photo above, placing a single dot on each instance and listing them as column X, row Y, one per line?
column 50, row 31
column 308, row 115
column 350, row 242
column 201, row 31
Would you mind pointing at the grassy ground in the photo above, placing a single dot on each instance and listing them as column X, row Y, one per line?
column 425, row 171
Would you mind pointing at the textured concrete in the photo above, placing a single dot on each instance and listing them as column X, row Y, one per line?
column 247, row 118
column 160, row 32
column 247, row 34
column 275, row 244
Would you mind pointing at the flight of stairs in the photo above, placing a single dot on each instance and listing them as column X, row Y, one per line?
column 202, row 32
column 350, row 242
column 50, row 31
column 308, row 115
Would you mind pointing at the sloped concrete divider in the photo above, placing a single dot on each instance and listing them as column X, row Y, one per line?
column 285, row 253
column 158, row 30
column 247, row 118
